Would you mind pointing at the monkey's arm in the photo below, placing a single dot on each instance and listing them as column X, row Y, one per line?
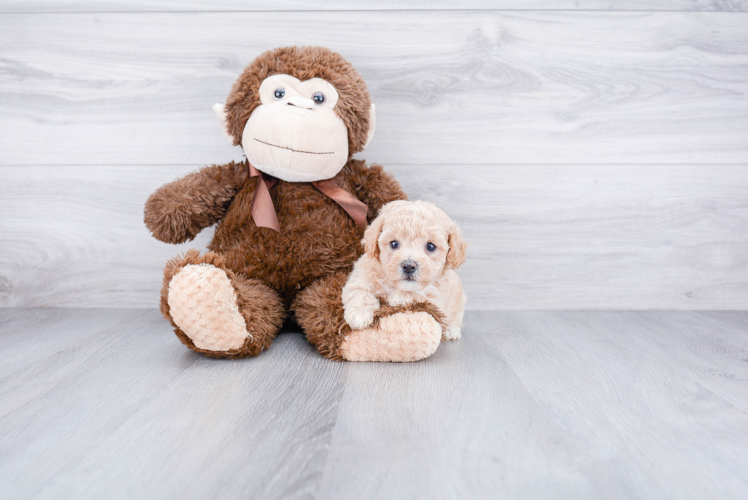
column 177, row 211
column 374, row 186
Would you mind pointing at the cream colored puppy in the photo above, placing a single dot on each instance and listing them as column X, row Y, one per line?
column 412, row 251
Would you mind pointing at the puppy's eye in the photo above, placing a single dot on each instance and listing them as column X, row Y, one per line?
column 279, row 93
column 394, row 244
column 430, row 247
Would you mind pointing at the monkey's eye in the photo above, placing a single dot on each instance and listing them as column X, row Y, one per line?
column 279, row 93
column 394, row 244
column 430, row 247
column 318, row 98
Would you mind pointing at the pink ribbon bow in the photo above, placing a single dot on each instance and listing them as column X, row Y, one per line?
column 263, row 211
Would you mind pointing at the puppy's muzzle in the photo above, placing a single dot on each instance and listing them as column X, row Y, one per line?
column 409, row 268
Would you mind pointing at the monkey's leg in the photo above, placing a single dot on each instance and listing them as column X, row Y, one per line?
column 408, row 333
column 217, row 312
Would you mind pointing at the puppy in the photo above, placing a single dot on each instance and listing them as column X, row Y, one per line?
column 412, row 251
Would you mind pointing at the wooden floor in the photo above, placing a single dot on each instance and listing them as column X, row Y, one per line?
column 108, row 404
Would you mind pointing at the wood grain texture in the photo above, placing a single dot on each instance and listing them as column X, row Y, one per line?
column 37, row 6
column 619, row 405
column 551, row 405
column 450, row 87
column 109, row 404
column 541, row 236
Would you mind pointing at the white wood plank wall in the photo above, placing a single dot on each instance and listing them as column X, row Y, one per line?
column 595, row 152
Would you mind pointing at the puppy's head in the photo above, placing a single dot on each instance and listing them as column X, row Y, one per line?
column 415, row 242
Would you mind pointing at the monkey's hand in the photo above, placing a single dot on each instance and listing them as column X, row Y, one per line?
column 178, row 211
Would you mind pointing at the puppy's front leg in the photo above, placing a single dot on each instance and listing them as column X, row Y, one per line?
column 359, row 301
column 359, row 307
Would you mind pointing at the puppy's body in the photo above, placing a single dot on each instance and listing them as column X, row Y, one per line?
column 412, row 251
column 367, row 287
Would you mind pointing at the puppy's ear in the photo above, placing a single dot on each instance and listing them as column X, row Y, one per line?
column 457, row 249
column 371, row 237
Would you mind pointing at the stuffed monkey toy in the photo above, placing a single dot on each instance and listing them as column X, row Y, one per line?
column 290, row 219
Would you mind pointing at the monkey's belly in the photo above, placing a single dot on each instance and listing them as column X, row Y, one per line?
column 311, row 245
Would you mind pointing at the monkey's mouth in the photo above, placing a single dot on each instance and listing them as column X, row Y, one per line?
column 293, row 150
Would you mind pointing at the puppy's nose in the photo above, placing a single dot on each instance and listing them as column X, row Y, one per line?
column 409, row 266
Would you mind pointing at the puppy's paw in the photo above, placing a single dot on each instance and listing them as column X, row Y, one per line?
column 452, row 333
column 360, row 317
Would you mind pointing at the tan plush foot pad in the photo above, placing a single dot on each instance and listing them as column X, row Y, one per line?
column 202, row 303
column 400, row 337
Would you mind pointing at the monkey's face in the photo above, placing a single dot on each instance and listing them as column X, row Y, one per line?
column 295, row 134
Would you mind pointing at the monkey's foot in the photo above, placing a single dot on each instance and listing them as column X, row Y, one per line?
column 203, row 304
column 404, row 336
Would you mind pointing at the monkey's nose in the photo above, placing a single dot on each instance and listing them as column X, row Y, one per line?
column 300, row 102
column 409, row 267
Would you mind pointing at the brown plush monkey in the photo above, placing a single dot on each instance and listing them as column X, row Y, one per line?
column 287, row 235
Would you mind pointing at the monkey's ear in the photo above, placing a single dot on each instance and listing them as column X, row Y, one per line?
column 221, row 112
column 372, row 125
